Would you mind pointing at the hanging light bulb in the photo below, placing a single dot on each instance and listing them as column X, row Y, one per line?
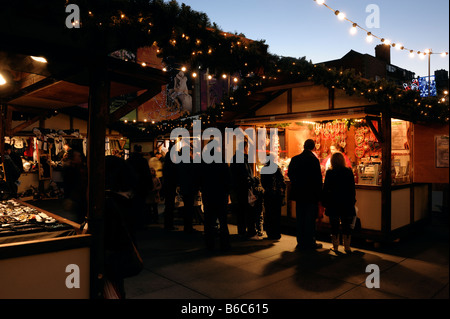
column 353, row 29
column 398, row 46
column 411, row 54
column 444, row 54
column 183, row 69
column 340, row 15
column 2, row 80
column 369, row 37
column 386, row 41
column 320, row 2
column 427, row 51
column 194, row 75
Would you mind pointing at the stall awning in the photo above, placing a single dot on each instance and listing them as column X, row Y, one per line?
column 53, row 87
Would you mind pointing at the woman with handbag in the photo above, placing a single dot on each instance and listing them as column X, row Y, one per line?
column 339, row 198
column 274, row 192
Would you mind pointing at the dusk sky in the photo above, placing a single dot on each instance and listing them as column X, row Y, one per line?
column 298, row 28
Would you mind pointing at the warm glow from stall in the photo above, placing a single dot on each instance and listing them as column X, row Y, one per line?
column 2, row 80
column 39, row 59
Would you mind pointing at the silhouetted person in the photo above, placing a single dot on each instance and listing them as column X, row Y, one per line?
column 339, row 198
column 215, row 187
column 119, row 219
column 144, row 182
column 75, row 184
column 188, row 179
column 306, row 179
column 242, row 181
column 274, row 192
column 169, row 188
column 13, row 169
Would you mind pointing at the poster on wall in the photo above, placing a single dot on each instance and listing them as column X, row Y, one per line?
column 399, row 135
column 441, row 143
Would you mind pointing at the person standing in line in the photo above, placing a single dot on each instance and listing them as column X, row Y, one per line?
column 188, row 179
column 13, row 169
column 144, row 182
column 339, row 198
column 333, row 149
column 169, row 189
column 274, row 192
column 156, row 163
column 215, row 186
column 242, row 181
column 306, row 179
column 153, row 197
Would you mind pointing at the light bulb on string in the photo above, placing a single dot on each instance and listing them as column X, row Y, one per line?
column 444, row 54
column 353, row 29
column 369, row 37
column 340, row 15
column 411, row 54
column 386, row 41
column 320, row 2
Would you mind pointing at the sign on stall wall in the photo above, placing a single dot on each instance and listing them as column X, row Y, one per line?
column 441, row 143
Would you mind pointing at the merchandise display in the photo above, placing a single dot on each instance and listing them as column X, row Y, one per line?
column 17, row 219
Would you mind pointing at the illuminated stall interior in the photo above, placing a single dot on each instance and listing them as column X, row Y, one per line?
column 377, row 141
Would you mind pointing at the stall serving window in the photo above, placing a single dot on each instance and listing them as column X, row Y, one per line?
column 357, row 138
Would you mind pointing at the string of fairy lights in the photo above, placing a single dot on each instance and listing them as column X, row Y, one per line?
column 370, row 36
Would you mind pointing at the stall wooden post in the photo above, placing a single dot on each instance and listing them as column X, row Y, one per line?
column 386, row 184
column 99, row 92
column 3, row 108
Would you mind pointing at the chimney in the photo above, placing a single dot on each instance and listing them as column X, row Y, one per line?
column 383, row 52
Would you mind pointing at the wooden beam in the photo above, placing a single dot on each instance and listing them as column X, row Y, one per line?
column 289, row 101
column 331, row 95
column 24, row 125
column 130, row 106
column 386, row 184
column 376, row 132
column 286, row 86
column 3, row 111
column 99, row 92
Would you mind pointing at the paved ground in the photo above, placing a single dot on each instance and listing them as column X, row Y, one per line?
column 177, row 266
column 180, row 272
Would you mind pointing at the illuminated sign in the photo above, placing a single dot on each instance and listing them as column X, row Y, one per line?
column 421, row 84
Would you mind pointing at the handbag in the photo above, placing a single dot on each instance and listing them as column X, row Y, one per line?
column 251, row 198
column 356, row 222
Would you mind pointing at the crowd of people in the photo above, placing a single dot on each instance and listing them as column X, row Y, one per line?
column 136, row 187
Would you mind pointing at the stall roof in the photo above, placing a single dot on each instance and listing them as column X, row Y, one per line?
column 41, row 87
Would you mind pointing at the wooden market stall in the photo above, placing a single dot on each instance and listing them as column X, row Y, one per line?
column 393, row 158
column 78, row 74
